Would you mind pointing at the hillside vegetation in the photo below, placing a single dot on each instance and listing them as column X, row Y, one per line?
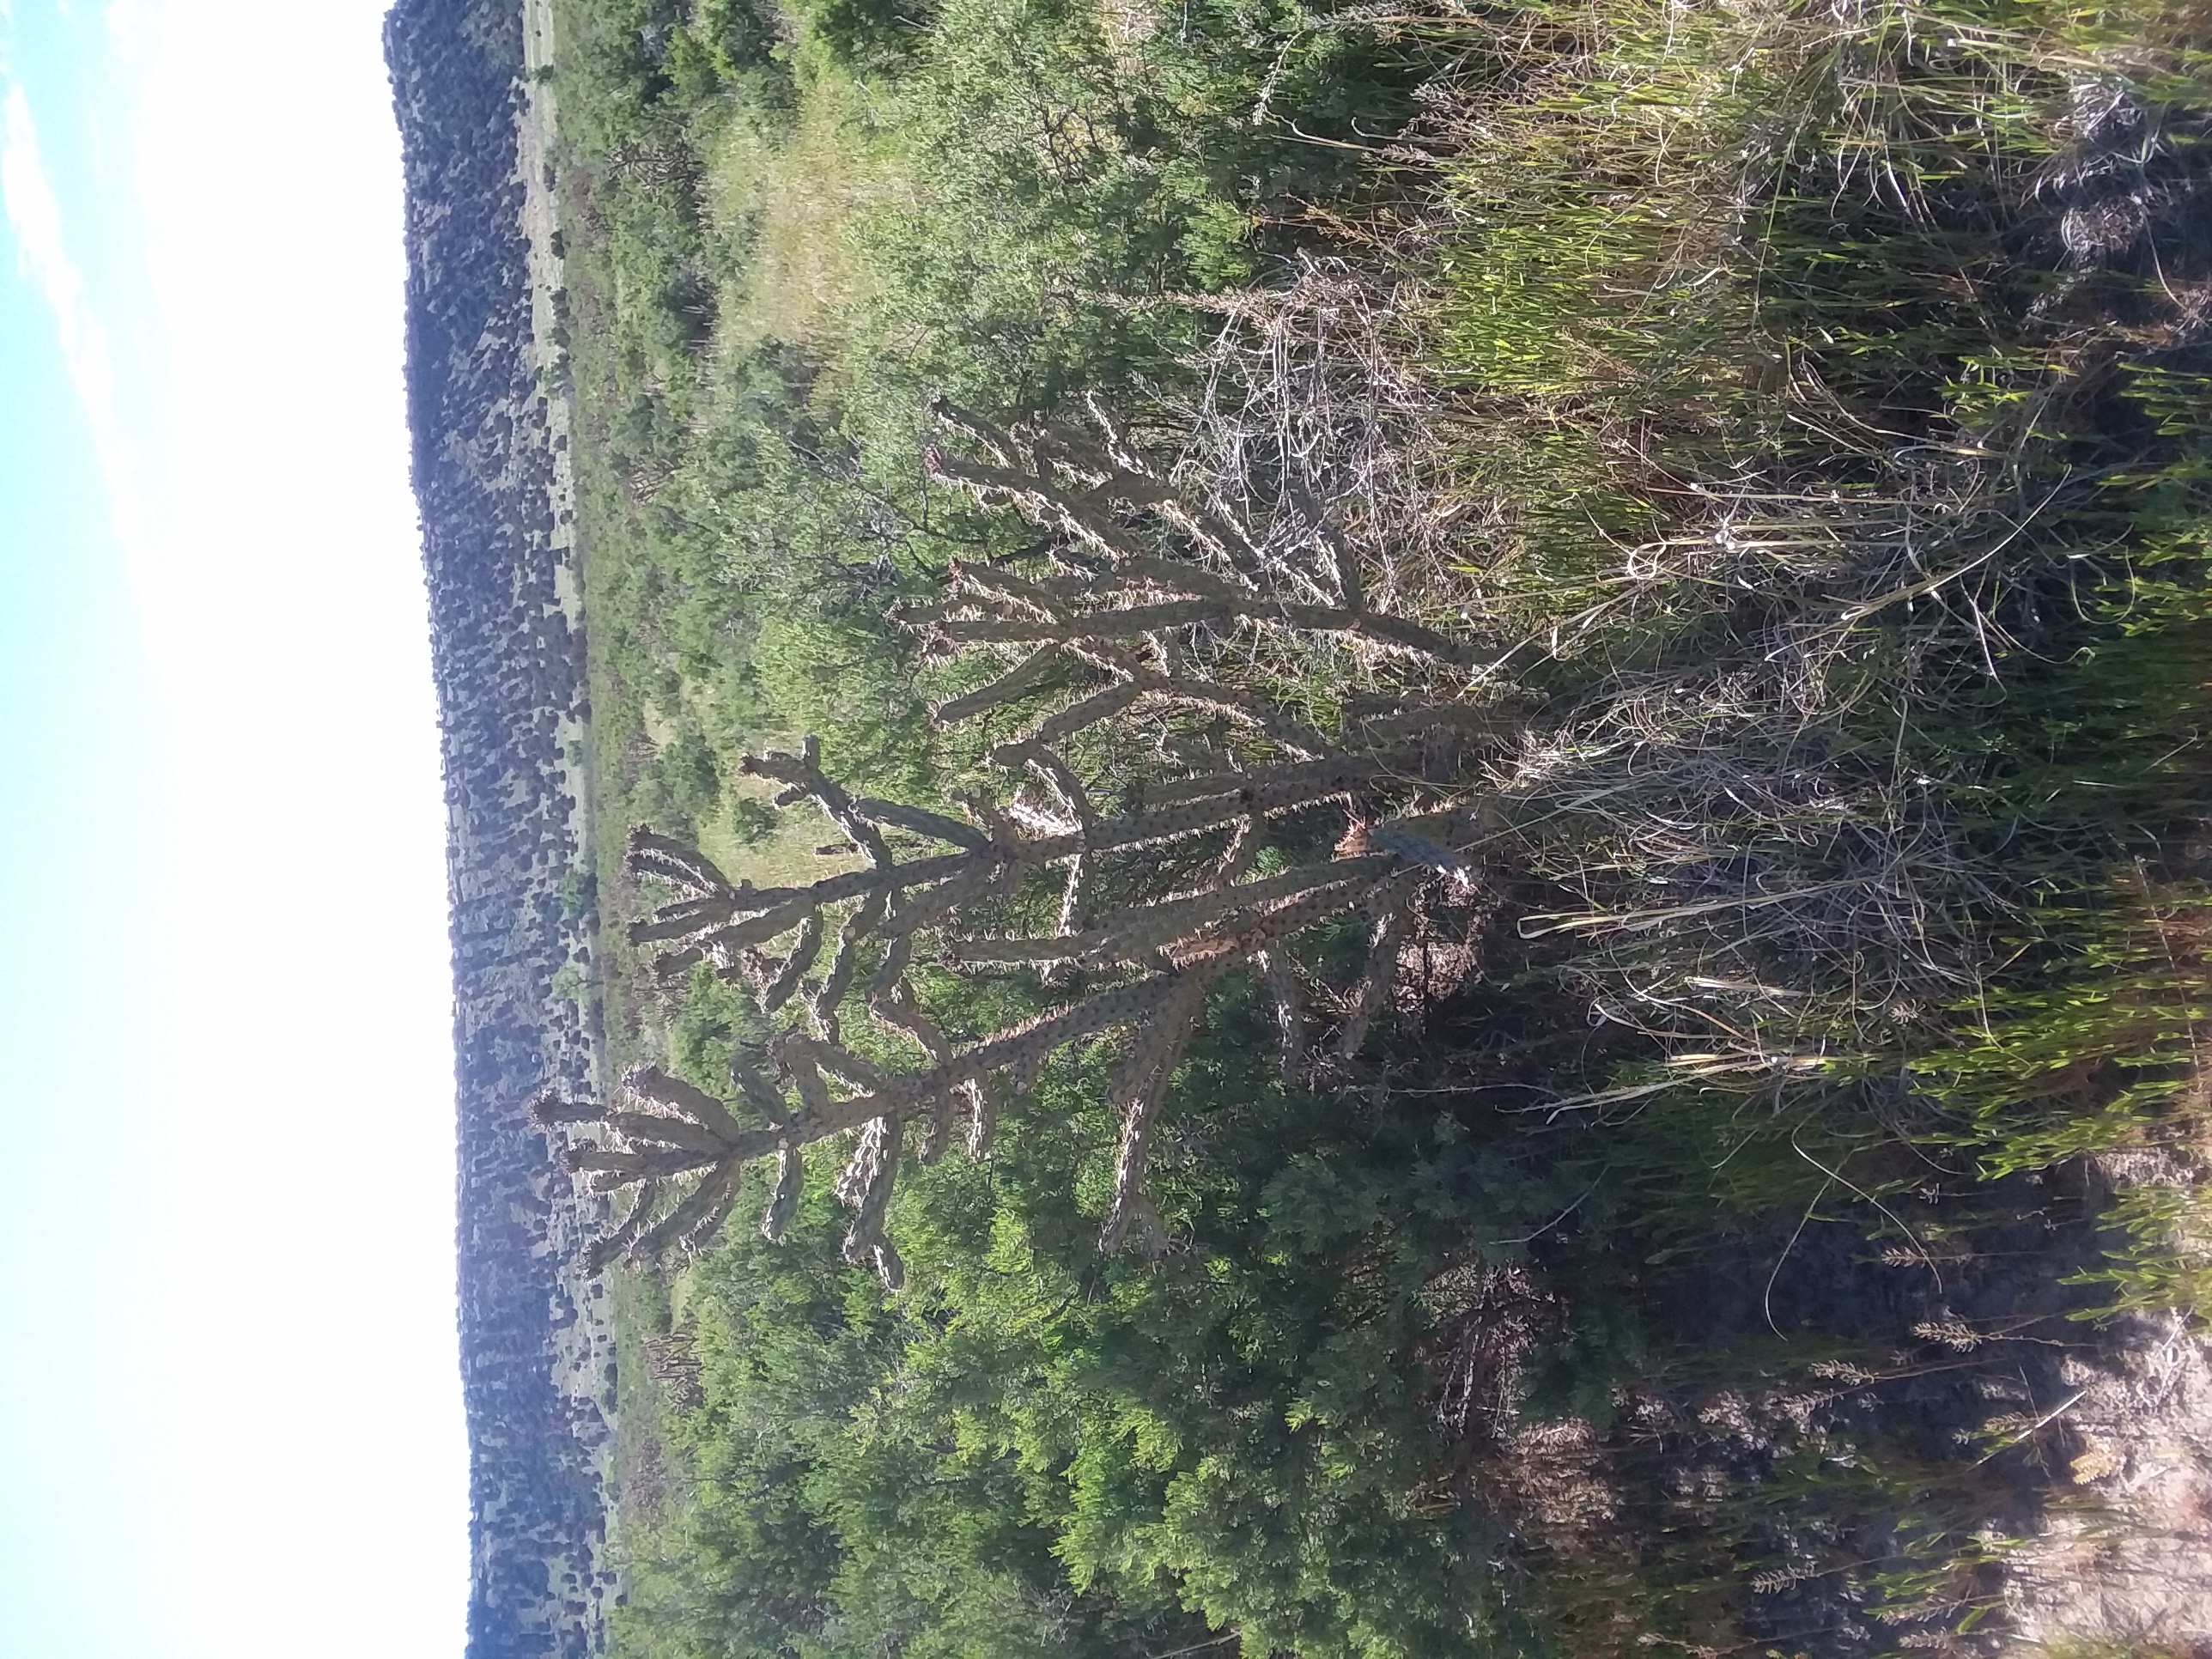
column 1672, row 534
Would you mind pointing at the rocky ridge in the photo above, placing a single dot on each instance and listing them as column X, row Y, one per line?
column 496, row 501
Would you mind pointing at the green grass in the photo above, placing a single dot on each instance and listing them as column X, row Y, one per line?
column 801, row 193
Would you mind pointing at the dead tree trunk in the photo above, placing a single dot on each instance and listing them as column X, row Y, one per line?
column 1110, row 653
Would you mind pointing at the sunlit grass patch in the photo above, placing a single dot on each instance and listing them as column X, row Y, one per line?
column 796, row 192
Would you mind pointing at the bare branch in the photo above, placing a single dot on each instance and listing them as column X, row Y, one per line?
column 777, row 991
column 1136, row 1093
column 608, row 1245
column 1030, row 673
column 1374, row 988
column 922, row 821
column 684, row 868
column 803, row 772
column 1280, row 969
column 783, row 1202
column 673, row 1094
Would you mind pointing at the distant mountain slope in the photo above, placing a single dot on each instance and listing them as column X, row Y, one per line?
column 536, row 1355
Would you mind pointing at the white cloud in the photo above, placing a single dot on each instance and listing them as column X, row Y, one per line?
column 315, row 1438
column 313, row 1467
column 129, row 26
column 43, row 260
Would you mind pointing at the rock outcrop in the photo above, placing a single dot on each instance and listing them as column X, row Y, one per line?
column 496, row 500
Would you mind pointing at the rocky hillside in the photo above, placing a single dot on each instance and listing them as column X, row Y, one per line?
column 535, row 1353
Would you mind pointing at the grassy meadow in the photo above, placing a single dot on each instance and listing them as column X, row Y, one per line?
column 1807, row 414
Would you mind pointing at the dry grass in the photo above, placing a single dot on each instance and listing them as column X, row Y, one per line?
column 798, row 199
column 788, row 855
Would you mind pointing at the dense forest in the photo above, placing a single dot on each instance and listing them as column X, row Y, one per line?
column 1422, row 787
column 535, row 1351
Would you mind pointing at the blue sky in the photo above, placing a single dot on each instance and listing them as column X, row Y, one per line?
column 229, row 1404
